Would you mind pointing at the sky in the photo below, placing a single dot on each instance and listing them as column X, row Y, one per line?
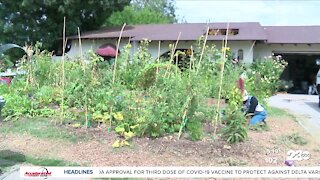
column 267, row 12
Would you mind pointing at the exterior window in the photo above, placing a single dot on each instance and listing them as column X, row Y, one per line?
column 215, row 32
column 240, row 54
column 59, row 49
column 182, row 58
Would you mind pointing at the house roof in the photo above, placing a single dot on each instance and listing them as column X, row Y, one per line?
column 293, row 34
column 192, row 31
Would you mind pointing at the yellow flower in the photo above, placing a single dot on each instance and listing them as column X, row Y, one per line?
column 118, row 116
column 227, row 49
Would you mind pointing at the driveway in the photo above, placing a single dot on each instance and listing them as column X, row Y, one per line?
column 303, row 107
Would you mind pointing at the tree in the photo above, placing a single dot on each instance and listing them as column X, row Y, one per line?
column 145, row 12
column 28, row 21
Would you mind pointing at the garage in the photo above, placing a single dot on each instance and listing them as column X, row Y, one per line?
column 301, row 70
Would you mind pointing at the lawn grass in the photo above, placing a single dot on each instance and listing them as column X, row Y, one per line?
column 40, row 128
column 9, row 158
column 277, row 112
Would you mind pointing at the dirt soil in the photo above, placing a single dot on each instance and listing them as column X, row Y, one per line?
column 265, row 148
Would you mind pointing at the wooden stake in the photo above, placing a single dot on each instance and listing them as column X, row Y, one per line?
column 254, row 42
column 115, row 61
column 190, row 65
column 177, row 58
column 84, row 72
column 63, row 73
column 127, row 55
column 218, row 118
column 158, row 59
column 114, row 70
column 172, row 53
column 184, row 116
column 175, row 46
column 202, row 51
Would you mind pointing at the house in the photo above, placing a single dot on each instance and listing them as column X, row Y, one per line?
column 249, row 41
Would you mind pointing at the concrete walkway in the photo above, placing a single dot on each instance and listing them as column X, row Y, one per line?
column 12, row 174
column 303, row 107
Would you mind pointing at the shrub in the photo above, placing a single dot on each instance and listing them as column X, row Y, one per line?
column 236, row 126
column 264, row 77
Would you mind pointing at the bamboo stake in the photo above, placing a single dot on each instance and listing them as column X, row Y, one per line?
column 202, row 51
column 63, row 73
column 175, row 46
column 84, row 72
column 117, row 49
column 183, row 121
column 177, row 58
column 127, row 55
column 158, row 59
column 115, row 68
column 250, row 50
column 172, row 53
column 190, row 64
column 217, row 118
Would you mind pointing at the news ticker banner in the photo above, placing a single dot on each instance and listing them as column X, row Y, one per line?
column 172, row 172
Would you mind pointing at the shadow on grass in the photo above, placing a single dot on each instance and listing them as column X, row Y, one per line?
column 40, row 128
column 10, row 158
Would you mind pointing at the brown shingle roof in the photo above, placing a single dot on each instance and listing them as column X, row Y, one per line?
column 247, row 31
column 192, row 31
column 293, row 34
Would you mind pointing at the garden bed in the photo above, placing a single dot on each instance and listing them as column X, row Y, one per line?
column 96, row 150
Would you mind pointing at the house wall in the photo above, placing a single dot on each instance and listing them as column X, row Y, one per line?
column 262, row 51
column 93, row 45
column 234, row 45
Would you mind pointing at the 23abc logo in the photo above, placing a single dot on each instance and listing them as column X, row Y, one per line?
column 298, row 155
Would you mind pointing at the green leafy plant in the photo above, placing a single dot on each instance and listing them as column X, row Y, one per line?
column 148, row 98
column 264, row 77
column 195, row 129
column 294, row 138
column 236, row 127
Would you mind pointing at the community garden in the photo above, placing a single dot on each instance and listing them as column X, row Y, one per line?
column 142, row 111
column 139, row 95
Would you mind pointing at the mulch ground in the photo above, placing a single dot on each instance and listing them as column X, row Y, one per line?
column 97, row 150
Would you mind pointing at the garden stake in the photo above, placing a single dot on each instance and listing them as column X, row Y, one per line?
column 254, row 42
column 63, row 75
column 114, row 72
column 158, row 59
column 190, row 65
column 85, row 87
column 220, row 84
column 88, row 124
column 175, row 46
column 184, row 118
column 183, row 123
column 177, row 58
column 172, row 53
column 202, row 51
column 115, row 61
column 127, row 54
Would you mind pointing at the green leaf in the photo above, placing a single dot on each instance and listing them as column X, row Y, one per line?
column 120, row 129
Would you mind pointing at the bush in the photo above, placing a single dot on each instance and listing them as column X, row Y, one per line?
column 236, row 126
column 264, row 77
